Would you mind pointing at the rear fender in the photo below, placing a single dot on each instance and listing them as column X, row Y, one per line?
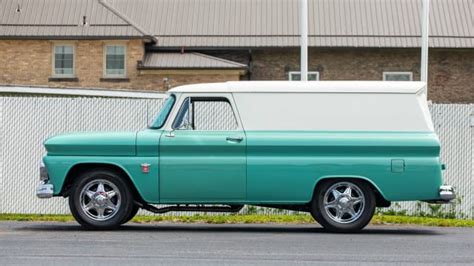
column 366, row 179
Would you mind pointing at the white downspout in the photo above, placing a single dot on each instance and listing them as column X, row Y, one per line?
column 424, row 42
column 304, row 39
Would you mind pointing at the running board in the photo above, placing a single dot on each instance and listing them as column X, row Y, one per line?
column 191, row 208
column 438, row 201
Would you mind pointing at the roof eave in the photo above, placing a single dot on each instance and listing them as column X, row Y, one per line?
column 70, row 37
column 191, row 68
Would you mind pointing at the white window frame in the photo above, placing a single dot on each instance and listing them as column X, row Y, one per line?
column 53, row 65
column 298, row 72
column 181, row 98
column 232, row 108
column 124, row 75
column 385, row 73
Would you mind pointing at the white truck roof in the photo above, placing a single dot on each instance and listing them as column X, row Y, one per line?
column 325, row 105
column 403, row 87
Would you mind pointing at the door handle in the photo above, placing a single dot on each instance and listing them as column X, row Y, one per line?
column 234, row 139
column 170, row 134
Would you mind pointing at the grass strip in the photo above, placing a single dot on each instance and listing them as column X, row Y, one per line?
column 249, row 219
column 426, row 221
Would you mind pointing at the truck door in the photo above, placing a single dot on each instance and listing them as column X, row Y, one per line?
column 203, row 157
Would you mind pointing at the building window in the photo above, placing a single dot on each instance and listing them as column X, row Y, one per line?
column 63, row 61
column 296, row 75
column 115, row 61
column 398, row 76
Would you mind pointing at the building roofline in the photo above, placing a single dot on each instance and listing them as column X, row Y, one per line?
column 191, row 68
column 72, row 37
column 193, row 57
column 236, row 64
column 128, row 20
column 206, row 49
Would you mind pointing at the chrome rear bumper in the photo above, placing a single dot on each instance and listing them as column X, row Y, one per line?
column 446, row 195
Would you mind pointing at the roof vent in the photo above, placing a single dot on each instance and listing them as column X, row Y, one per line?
column 18, row 9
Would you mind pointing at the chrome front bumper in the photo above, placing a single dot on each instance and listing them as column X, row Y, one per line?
column 44, row 190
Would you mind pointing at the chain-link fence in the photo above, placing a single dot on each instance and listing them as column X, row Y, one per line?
column 26, row 121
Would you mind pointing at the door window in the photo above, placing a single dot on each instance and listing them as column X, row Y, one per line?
column 206, row 113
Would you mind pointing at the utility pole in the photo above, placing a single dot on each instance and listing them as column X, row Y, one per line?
column 304, row 39
column 424, row 41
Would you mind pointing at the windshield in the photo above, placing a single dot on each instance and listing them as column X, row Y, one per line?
column 164, row 113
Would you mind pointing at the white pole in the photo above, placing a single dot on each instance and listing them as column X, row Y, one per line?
column 304, row 39
column 424, row 41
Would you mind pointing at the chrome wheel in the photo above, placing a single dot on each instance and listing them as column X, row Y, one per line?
column 100, row 200
column 344, row 202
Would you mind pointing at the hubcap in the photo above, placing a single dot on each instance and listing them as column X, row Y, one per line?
column 344, row 202
column 100, row 200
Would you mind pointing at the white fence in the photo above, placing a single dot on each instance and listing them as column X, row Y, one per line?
column 29, row 119
column 454, row 124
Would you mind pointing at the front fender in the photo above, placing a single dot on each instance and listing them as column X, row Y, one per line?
column 58, row 168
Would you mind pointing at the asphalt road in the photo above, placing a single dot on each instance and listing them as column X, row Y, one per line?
column 28, row 243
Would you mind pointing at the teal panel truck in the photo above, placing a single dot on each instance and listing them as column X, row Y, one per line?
column 335, row 149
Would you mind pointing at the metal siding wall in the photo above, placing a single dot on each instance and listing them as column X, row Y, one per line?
column 452, row 123
column 27, row 121
column 3, row 151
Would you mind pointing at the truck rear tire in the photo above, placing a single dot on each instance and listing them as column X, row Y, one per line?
column 100, row 199
column 343, row 205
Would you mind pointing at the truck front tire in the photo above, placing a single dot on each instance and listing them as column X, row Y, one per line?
column 134, row 212
column 343, row 205
column 100, row 199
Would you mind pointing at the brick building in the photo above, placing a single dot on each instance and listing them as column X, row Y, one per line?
column 154, row 44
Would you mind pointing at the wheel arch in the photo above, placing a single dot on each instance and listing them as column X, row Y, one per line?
column 380, row 198
column 82, row 167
